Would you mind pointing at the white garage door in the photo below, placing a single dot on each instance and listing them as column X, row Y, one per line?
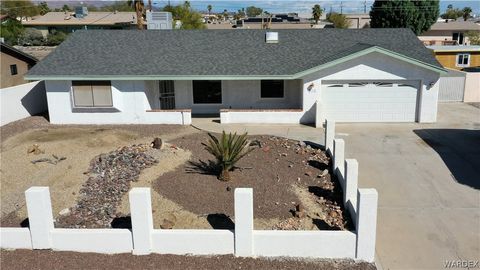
column 370, row 101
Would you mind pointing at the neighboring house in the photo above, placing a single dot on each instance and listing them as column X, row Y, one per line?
column 250, row 76
column 358, row 21
column 69, row 22
column 457, row 57
column 14, row 64
column 449, row 33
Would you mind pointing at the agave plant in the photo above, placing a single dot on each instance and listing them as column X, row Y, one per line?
column 227, row 150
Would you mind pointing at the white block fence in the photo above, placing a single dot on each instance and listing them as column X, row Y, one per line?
column 244, row 241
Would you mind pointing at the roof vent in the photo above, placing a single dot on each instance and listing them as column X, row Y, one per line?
column 271, row 37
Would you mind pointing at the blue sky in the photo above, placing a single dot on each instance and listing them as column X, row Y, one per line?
column 303, row 6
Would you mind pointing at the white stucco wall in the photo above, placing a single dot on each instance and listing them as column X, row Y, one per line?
column 134, row 98
column 376, row 66
column 20, row 101
column 129, row 97
column 238, row 94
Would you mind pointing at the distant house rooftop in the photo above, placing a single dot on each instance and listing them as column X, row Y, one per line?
column 93, row 18
column 10, row 50
column 456, row 25
column 440, row 48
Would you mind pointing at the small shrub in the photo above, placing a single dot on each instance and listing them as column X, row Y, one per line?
column 31, row 37
column 227, row 150
column 55, row 38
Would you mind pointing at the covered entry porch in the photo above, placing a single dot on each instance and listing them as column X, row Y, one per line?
column 232, row 101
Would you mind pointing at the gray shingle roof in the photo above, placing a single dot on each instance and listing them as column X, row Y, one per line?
column 217, row 52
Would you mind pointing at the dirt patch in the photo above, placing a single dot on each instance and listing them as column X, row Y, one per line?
column 79, row 144
column 274, row 170
column 44, row 259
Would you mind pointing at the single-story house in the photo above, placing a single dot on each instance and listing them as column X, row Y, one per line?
column 457, row 57
column 69, row 22
column 14, row 65
column 250, row 76
column 449, row 32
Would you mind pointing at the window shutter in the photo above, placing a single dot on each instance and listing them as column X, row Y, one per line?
column 102, row 95
column 82, row 95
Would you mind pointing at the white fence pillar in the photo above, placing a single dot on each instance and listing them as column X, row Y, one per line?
column 329, row 135
column 40, row 216
column 319, row 117
column 243, row 222
column 351, row 182
column 142, row 220
column 366, row 223
column 339, row 156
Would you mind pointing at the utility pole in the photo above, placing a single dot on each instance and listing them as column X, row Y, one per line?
column 341, row 7
column 365, row 7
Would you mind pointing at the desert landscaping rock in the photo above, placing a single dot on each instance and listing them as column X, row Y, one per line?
column 157, row 143
column 109, row 178
column 270, row 173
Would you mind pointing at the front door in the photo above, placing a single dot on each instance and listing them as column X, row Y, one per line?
column 167, row 95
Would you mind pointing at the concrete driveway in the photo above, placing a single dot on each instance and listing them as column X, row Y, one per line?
column 428, row 180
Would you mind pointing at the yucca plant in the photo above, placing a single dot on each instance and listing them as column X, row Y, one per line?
column 227, row 150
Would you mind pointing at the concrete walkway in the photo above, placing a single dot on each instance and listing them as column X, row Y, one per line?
column 427, row 177
column 296, row 132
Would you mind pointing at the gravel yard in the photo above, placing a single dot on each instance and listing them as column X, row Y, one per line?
column 44, row 259
column 90, row 170
column 77, row 144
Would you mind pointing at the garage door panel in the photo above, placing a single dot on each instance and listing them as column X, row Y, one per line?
column 370, row 102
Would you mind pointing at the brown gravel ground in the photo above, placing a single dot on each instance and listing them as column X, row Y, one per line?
column 44, row 259
column 272, row 172
column 78, row 143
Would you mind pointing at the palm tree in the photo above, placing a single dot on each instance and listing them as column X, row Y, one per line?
column 228, row 150
column 466, row 13
column 139, row 6
column 317, row 13
column 209, row 7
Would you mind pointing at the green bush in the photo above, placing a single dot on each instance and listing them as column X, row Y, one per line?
column 55, row 38
column 227, row 150
column 31, row 37
column 11, row 30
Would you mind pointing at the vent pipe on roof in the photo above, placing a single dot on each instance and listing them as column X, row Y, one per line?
column 271, row 37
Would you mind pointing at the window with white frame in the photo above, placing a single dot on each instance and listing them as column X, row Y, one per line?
column 463, row 60
column 92, row 94
column 272, row 89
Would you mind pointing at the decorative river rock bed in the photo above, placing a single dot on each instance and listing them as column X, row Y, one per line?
column 109, row 177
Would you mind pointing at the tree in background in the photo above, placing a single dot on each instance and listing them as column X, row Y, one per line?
column 55, row 38
column 427, row 14
column 240, row 14
column 117, row 6
column 466, row 13
column 452, row 13
column 317, row 13
column 416, row 15
column 11, row 31
column 66, row 8
column 19, row 9
column 473, row 37
column 43, row 8
column 209, row 8
column 338, row 20
column 225, row 14
column 31, row 37
column 253, row 11
column 139, row 7
column 189, row 18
